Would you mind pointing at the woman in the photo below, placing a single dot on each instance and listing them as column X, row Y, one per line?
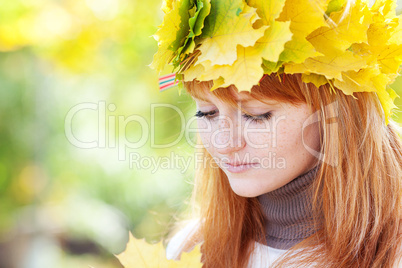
column 304, row 164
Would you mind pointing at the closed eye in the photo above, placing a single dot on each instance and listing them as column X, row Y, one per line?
column 207, row 115
column 254, row 118
column 258, row 118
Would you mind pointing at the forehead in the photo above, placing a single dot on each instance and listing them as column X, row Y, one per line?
column 231, row 97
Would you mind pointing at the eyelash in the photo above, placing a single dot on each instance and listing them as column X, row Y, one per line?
column 255, row 119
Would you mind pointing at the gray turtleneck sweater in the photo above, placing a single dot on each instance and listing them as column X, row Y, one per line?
column 288, row 212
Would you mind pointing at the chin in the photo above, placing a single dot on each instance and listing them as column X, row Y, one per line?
column 246, row 188
column 253, row 186
column 244, row 193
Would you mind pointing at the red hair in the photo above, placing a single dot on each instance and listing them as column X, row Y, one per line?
column 357, row 203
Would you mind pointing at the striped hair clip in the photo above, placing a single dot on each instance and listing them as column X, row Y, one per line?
column 167, row 81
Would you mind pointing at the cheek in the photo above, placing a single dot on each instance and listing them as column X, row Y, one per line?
column 295, row 140
column 276, row 134
column 311, row 136
column 212, row 133
column 216, row 134
column 265, row 134
column 287, row 137
column 206, row 141
column 257, row 138
column 204, row 130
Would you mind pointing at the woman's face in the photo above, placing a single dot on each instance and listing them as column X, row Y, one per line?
column 260, row 147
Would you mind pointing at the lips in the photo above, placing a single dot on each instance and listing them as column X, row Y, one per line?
column 236, row 167
column 237, row 164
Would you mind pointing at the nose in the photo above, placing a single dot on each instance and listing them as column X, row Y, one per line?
column 228, row 137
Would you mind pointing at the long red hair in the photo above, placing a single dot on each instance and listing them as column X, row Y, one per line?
column 357, row 202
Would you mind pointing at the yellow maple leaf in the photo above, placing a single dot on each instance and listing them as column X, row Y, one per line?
column 390, row 58
column 171, row 32
column 162, row 56
column 369, row 80
column 385, row 7
column 191, row 259
column 387, row 97
column 167, row 6
column 218, row 83
column 305, row 16
column 330, row 67
column 379, row 33
column 271, row 45
column 165, row 35
column 316, row 79
column 345, row 31
column 297, row 50
column 229, row 24
column 267, row 10
column 243, row 73
column 139, row 254
column 194, row 72
column 386, row 28
column 396, row 36
column 246, row 71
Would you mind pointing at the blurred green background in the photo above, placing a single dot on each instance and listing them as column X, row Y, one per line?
column 75, row 89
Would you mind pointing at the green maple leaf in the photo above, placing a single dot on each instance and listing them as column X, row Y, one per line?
column 229, row 24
